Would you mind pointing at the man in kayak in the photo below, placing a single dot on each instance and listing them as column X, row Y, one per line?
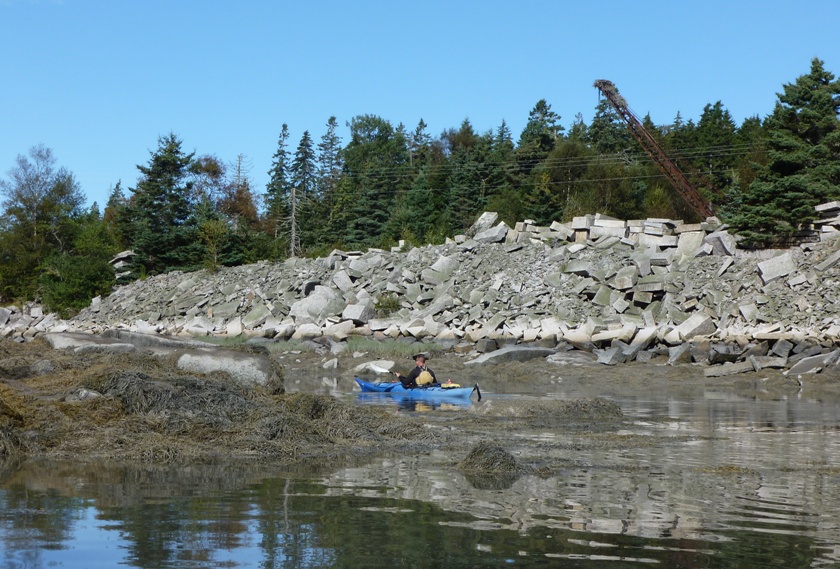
column 420, row 376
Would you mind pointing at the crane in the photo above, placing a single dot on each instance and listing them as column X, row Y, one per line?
column 692, row 197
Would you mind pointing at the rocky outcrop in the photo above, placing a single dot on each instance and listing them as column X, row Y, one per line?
column 246, row 369
column 626, row 290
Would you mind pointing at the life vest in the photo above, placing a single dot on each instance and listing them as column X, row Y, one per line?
column 425, row 378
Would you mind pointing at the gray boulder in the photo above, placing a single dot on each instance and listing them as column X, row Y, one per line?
column 110, row 348
column 245, row 369
column 494, row 235
column 813, row 364
column 484, row 222
column 321, row 303
column 776, row 268
column 359, row 313
column 512, row 354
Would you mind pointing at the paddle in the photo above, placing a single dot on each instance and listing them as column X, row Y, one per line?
column 478, row 391
column 379, row 369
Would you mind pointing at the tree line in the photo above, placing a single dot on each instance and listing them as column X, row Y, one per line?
column 389, row 183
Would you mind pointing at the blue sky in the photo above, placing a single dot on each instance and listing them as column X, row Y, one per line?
column 99, row 81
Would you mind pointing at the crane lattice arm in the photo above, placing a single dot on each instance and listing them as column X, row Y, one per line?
column 665, row 164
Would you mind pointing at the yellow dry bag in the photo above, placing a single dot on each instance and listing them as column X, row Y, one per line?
column 425, row 378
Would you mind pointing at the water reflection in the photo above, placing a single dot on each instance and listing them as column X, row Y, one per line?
column 411, row 405
column 709, row 481
column 390, row 510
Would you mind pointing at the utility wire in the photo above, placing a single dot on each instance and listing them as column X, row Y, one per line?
column 551, row 184
column 395, row 174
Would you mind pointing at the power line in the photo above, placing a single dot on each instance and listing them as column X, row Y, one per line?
column 552, row 183
column 396, row 173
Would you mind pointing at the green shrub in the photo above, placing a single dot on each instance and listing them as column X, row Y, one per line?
column 69, row 282
column 386, row 304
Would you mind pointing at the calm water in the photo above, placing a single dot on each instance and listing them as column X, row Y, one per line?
column 730, row 482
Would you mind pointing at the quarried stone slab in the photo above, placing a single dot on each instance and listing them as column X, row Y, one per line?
column 813, row 364
column 776, row 268
column 728, row 369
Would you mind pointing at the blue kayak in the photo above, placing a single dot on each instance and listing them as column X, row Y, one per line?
column 434, row 392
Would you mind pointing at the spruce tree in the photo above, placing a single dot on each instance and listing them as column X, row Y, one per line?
column 419, row 145
column 804, row 161
column 542, row 131
column 578, row 130
column 503, row 177
column 277, row 189
column 713, row 153
column 304, row 201
column 329, row 166
column 161, row 225
column 608, row 134
column 470, row 176
column 376, row 172
column 538, row 139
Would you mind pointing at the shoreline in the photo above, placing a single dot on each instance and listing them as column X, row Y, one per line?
column 621, row 290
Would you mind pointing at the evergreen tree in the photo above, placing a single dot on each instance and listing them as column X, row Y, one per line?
column 541, row 132
column 751, row 144
column 329, row 166
column 376, row 172
column 304, row 201
column 70, row 278
column 503, row 177
column 714, row 141
column 608, row 134
column 423, row 215
column 114, row 213
column 502, row 165
column 804, row 160
column 277, row 189
column 656, row 132
column 418, row 145
column 160, row 224
column 470, row 175
column 677, row 136
column 554, row 196
column 538, row 139
column 579, row 131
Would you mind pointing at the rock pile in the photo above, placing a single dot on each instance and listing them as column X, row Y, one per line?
column 828, row 223
column 626, row 290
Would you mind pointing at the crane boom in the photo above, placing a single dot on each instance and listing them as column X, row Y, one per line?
column 665, row 164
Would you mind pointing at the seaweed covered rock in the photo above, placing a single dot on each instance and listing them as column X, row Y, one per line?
column 10, row 421
column 489, row 467
column 140, row 407
column 182, row 402
column 490, row 459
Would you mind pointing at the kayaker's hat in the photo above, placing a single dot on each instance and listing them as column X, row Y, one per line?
column 424, row 356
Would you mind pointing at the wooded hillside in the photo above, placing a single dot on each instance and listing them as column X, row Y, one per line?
column 390, row 182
